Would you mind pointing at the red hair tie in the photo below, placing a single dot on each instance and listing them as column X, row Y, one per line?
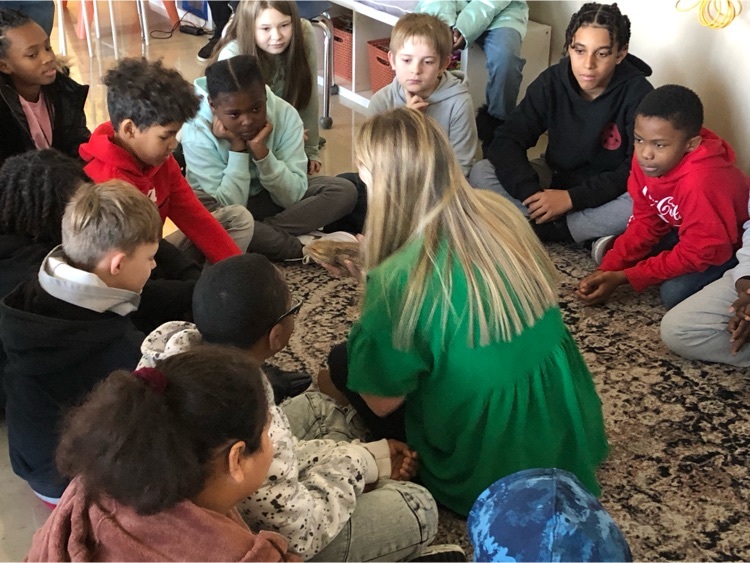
column 152, row 377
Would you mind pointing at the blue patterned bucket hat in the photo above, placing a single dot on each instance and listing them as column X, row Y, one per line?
column 543, row 515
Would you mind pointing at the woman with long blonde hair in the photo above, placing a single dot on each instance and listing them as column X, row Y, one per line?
column 284, row 45
column 461, row 345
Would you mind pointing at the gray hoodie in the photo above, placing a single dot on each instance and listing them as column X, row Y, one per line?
column 450, row 105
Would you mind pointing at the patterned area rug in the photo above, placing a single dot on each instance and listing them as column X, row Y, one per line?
column 677, row 480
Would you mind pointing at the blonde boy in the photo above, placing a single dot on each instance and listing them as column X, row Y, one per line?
column 420, row 51
column 68, row 328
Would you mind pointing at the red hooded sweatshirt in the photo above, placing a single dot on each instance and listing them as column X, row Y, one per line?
column 164, row 185
column 104, row 530
column 704, row 197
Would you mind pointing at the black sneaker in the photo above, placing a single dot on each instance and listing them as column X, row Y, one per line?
column 207, row 50
column 447, row 552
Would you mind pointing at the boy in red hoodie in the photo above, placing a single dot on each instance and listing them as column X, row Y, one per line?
column 147, row 106
column 689, row 204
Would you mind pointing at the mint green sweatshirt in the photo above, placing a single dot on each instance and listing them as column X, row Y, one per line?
column 232, row 177
column 474, row 17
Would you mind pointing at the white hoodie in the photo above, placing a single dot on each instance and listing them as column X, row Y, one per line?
column 312, row 485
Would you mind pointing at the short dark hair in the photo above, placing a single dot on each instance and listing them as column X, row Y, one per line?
column 233, row 75
column 35, row 187
column 10, row 19
column 149, row 94
column 679, row 105
column 607, row 16
column 150, row 450
column 236, row 301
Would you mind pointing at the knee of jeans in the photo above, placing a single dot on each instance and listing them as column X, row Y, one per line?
column 235, row 216
column 672, row 330
column 422, row 505
column 347, row 193
column 479, row 173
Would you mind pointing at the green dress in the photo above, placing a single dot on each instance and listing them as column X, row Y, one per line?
column 476, row 414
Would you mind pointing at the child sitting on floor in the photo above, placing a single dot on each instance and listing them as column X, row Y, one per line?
column 246, row 147
column 689, row 204
column 147, row 105
column 159, row 457
column 314, row 495
column 40, row 107
column 586, row 103
column 68, row 328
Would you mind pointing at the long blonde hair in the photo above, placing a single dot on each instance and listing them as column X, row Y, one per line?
column 298, row 83
column 418, row 192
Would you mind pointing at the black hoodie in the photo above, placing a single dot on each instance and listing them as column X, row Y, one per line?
column 590, row 142
column 65, row 99
column 56, row 352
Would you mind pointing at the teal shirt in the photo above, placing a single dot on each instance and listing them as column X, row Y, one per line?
column 474, row 17
column 476, row 414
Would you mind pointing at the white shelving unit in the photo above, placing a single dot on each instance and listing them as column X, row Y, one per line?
column 369, row 23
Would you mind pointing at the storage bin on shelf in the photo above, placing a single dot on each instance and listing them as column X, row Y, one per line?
column 381, row 73
column 342, row 47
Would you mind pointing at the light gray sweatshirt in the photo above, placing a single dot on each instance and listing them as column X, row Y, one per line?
column 450, row 105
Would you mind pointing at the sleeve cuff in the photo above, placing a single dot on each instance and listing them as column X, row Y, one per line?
column 378, row 460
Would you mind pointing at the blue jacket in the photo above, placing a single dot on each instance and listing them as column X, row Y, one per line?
column 233, row 177
column 474, row 17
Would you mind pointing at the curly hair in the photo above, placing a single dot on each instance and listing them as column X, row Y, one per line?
column 35, row 187
column 149, row 94
column 10, row 19
column 607, row 16
column 150, row 449
column 674, row 103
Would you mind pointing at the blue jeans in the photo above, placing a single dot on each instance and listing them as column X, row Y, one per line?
column 680, row 288
column 502, row 47
column 41, row 11
column 393, row 522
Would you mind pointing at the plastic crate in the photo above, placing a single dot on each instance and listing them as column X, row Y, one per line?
column 381, row 73
column 342, row 47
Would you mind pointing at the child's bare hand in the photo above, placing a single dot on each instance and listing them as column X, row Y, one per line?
column 404, row 461
column 739, row 330
column 741, row 307
column 313, row 166
column 415, row 102
column 548, row 205
column 596, row 288
column 258, row 143
column 459, row 41
column 221, row 132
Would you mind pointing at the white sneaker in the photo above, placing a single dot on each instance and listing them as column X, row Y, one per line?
column 337, row 236
column 600, row 248
column 447, row 552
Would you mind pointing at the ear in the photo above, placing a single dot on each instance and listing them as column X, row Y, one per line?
column 116, row 262
column 694, row 143
column 5, row 67
column 276, row 338
column 234, row 461
column 622, row 53
column 127, row 129
column 392, row 59
column 445, row 64
column 211, row 104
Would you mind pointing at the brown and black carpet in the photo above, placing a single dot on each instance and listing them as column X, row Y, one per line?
column 677, row 480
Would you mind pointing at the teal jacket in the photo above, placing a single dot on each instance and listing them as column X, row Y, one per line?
column 474, row 17
column 233, row 177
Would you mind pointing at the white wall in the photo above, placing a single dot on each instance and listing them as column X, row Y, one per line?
column 715, row 63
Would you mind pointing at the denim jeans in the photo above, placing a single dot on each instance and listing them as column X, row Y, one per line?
column 696, row 328
column 394, row 521
column 502, row 48
column 586, row 224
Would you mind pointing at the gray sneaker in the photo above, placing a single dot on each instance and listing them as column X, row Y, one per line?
column 600, row 248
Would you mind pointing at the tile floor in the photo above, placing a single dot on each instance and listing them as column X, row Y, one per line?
column 21, row 513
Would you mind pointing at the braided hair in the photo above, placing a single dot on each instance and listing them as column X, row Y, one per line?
column 34, row 189
column 10, row 19
column 607, row 16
